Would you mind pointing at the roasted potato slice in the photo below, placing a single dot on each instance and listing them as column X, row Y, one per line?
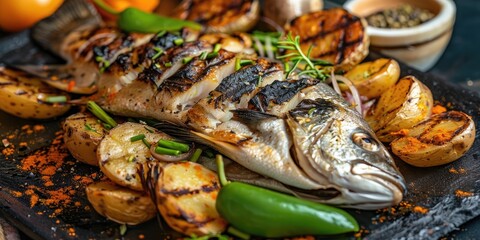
column 225, row 16
column 118, row 156
column 402, row 106
column 24, row 96
column 82, row 134
column 373, row 78
column 186, row 194
column 336, row 36
column 120, row 204
column 443, row 138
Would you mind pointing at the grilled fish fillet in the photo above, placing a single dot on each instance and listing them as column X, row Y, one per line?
column 297, row 131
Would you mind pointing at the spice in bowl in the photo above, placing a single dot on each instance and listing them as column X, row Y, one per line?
column 403, row 16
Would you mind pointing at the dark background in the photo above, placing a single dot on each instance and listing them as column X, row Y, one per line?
column 460, row 64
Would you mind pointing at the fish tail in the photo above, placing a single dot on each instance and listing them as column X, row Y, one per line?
column 72, row 15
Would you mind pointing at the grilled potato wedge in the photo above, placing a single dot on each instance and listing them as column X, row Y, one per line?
column 221, row 16
column 402, row 106
column 336, row 36
column 186, row 194
column 82, row 134
column 118, row 156
column 120, row 204
column 24, row 96
column 373, row 78
column 443, row 138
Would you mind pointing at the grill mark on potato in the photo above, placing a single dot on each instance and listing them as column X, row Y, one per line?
column 212, row 187
column 240, row 8
column 449, row 116
column 190, row 218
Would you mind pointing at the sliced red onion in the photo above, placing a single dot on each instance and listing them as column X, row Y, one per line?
column 172, row 158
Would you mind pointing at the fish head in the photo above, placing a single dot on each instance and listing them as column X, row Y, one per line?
column 336, row 148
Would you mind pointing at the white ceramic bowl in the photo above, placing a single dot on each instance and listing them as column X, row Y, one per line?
column 420, row 46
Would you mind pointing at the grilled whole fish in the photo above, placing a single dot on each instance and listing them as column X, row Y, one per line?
column 297, row 133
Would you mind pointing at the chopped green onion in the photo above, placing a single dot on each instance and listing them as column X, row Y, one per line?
column 311, row 110
column 204, row 55
column 89, row 128
column 260, row 79
column 131, row 158
column 159, row 52
column 161, row 33
column 237, row 64
column 212, row 55
column 196, row 155
column 217, row 47
column 106, row 126
column 178, row 41
column 167, row 151
column 56, row 99
column 187, row 60
column 137, row 137
column 102, row 115
column 145, row 141
column 173, row 145
column 123, row 229
column 235, row 232
column 168, row 64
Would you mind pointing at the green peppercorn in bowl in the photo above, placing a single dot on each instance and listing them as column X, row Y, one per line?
column 415, row 32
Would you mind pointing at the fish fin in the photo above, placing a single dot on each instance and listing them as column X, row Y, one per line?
column 178, row 130
column 72, row 15
column 250, row 117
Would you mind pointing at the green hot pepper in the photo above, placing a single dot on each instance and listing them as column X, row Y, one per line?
column 265, row 213
column 135, row 20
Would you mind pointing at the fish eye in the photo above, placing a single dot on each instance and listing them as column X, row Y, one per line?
column 365, row 141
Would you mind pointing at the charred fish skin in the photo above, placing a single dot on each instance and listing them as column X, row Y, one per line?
column 337, row 36
column 336, row 147
column 232, row 93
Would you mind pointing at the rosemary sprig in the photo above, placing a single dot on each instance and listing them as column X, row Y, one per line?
column 298, row 57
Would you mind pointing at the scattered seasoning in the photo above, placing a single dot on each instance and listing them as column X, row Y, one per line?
column 461, row 193
column 457, row 171
column 400, row 133
column 403, row 208
column 438, row 109
column 404, row 16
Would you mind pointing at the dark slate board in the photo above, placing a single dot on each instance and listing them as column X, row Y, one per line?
column 433, row 188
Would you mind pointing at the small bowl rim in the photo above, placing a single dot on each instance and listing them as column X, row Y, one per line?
column 436, row 26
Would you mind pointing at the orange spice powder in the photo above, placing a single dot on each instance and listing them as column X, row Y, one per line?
column 461, row 193
column 438, row 109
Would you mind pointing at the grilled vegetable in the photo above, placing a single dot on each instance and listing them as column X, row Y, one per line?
column 373, row 78
column 118, row 156
column 27, row 97
column 336, row 36
column 270, row 214
column 443, row 138
column 221, row 16
column 82, row 135
column 120, row 204
column 186, row 194
column 402, row 106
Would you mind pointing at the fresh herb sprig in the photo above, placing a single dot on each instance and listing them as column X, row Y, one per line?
column 295, row 55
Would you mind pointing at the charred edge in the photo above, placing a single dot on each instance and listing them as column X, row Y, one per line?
column 185, row 77
column 240, row 8
column 190, row 218
column 150, row 74
column 236, row 85
column 277, row 92
column 213, row 186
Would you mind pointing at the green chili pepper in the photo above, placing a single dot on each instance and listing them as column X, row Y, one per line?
column 135, row 20
column 266, row 213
